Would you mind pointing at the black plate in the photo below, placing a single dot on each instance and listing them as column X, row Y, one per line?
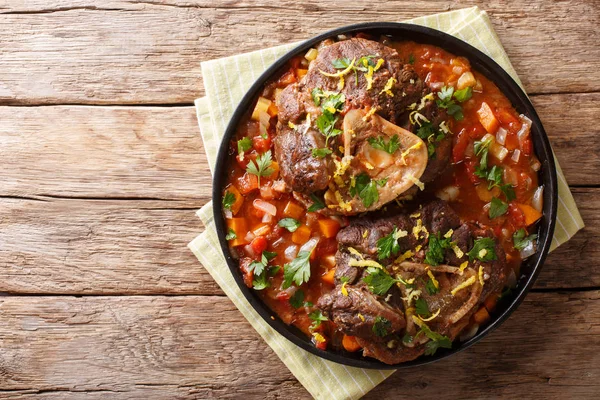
column 479, row 62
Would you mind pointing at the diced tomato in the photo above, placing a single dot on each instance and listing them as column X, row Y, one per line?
column 527, row 147
column 247, row 183
column 287, row 79
column 460, row 145
column 506, row 116
column 259, row 244
column 242, row 161
column 283, row 295
column 470, row 167
column 321, row 345
column 328, row 276
column 517, row 217
column 247, row 273
column 261, row 144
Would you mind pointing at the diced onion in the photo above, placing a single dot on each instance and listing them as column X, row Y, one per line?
column 279, row 186
column 438, row 60
column 264, row 118
column 535, row 164
column 516, row 155
column 290, row 252
column 310, row 245
column 537, row 201
column 510, row 176
column 469, row 333
column 478, row 86
column 528, row 251
column 437, row 85
column 265, row 206
column 262, row 229
column 267, row 192
column 449, row 193
column 249, row 250
column 277, row 242
column 501, row 136
column 228, row 214
column 525, row 128
column 456, row 70
column 500, row 152
column 249, row 236
column 467, row 79
column 262, row 105
column 267, row 218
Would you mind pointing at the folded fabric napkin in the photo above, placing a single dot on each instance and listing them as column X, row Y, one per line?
column 226, row 80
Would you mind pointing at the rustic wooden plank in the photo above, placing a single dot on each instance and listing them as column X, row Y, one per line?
column 149, row 51
column 201, row 347
column 132, row 247
column 82, row 151
column 156, row 152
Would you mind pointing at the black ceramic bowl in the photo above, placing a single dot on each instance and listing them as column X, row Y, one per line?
column 479, row 62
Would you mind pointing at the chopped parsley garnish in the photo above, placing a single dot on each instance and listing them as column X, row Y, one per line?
column 261, row 166
column 407, row 338
column 388, row 246
column 431, row 288
column 317, row 94
column 521, row 240
column 445, row 101
column 333, row 103
column 297, row 299
column 244, row 144
column 382, row 326
column 421, row 308
column 481, row 150
column 297, row 270
column 435, row 251
column 494, row 174
column 289, row 223
column 497, row 208
column 436, row 340
column 361, row 64
column 260, row 281
column 326, row 124
column 230, row 235
column 463, row 95
column 320, row 153
column 378, row 281
column 484, row 249
column 390, row 147
column 317, row 317
column 430, row 135
column 317, row 204
column 411, row 59
column 228, row 200
column 366, row 189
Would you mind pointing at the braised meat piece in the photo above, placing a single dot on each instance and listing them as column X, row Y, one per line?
column 435, row 285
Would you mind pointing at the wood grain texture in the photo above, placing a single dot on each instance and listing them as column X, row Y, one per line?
column 61, row 246
column 130, row 52
column 194, row 347
column 156, row 152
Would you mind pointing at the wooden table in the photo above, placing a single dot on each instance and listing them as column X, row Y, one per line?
column 103, row 168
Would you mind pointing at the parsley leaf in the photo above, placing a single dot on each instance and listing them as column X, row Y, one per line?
column 435, row 251
column 230, row 235
column 520, row 240
column 326, row 124
column 244, row 144
column 430, row 287
column 381, row 326
column 297, row 270
column 436, row 340
column 481, row 150
column 388, row 246
column 421, row 308
column 333, row 103
column 430, row 136
column 316, row 95
column 317, row 203
column 261, row 166
column 289, row 223
column 484, row 249
column 259, row 266
column 390, row 147
column 297, row 299
column 463, row 95
column 341, row 63
column 366, row 189
column 317, row 317
column 260, row 282
column 228, row 200
column 445, row 101
column 497, row 208
column 411, row 59
column 320, row 153
column 378, row 281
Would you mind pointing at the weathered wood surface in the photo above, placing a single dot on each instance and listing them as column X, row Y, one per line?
column 99, row 202
column 201, row 347
column 126, row 52
column 72, row 246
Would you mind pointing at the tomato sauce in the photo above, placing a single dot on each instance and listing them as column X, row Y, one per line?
column 254, row 215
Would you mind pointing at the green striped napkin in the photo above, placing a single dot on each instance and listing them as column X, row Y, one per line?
column 226, row 80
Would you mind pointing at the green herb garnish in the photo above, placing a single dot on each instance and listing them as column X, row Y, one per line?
column 521, row 240
column 317, row 204
column 320, row 153
column 228, row 200
column 421, row 308
column 297, row 270
column 388, row 246
column 382, row 326
column 366, row 189
column 435, row 251
column 316, row 317
column 244, row 144
column 289, row 223
column 445, row 101
column 483, row 250
column 261, row 166
column 230, row 234
column 390, row 147
column 297, row 299
column 378, row 281
column 497, row 208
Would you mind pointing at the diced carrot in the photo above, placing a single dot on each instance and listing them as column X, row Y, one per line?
column 286, row 79
column 259, row 244
column 261, row 229
column 531, row 214
column 293, row 210
column 350, row 343
column 487, row 118
column 490, row 302
column 329, row 227
column 301, row 72
column 301, row 235
column 240, row 227
column 481, row 316
column 272, row 111
column 275, row 168
column 239, row 199
column 247, row 183
column 328, row 276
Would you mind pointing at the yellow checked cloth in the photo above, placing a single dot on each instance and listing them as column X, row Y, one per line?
column 226, row 81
